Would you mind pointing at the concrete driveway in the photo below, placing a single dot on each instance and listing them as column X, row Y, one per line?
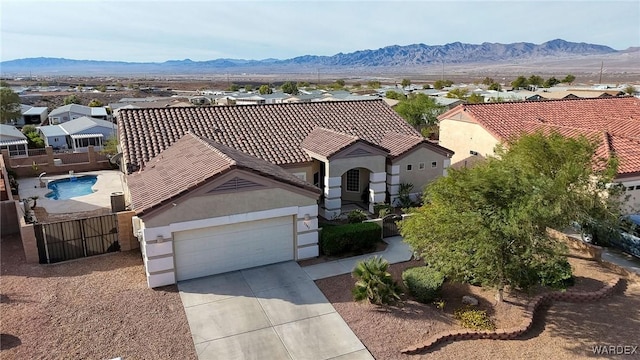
column 269, row 312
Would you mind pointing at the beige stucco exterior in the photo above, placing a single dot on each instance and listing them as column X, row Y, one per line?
column 307, row 170
column 420, row 178
column 199, row 204
column 463, row 136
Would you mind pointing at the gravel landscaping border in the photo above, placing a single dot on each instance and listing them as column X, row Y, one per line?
column 92, row 308
column 564, row 331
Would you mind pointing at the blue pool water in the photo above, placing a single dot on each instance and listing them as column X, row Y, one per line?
column 68, row 188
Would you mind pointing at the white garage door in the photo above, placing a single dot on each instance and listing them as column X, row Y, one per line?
column 219, row 249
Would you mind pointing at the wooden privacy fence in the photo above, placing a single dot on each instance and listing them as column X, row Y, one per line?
column 73, row 239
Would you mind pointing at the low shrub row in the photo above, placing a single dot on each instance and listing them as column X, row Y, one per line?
column 349, row 238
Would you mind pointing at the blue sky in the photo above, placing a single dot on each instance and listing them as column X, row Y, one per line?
column 159, row 30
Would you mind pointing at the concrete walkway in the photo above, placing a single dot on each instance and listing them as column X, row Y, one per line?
column 397, row 251
column 269, row 312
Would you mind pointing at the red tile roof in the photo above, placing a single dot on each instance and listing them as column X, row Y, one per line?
column 399, row 144
column 616, row 119
column 273, row 132
column 327, row 142
column 190, row 162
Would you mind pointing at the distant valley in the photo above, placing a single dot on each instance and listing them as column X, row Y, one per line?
column 556, row 56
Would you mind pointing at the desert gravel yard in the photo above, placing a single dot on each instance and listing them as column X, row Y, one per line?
column 94, row 308
column 562, row 331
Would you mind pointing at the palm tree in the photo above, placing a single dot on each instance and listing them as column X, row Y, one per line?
column 374, row 282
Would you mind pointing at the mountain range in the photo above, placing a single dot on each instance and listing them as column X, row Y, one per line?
column 409, row 56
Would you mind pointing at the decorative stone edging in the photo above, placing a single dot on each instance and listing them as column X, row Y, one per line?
column 530, row 311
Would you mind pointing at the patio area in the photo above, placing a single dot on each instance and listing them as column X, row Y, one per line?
column 108, row 181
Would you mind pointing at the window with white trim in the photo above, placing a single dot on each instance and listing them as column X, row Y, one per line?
column 421, row 166
column 434, row 164
column 353, row 180
column 409, row 167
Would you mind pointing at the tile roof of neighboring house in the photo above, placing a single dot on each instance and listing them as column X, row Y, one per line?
column 327, row 142
column 613, row 118
column 189, row 163
column 399, row 144
column 273, row 132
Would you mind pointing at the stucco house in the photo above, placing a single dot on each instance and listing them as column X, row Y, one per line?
column 472, row 131
column 13, row 140
column 233, row 185
column 78, row 134
column 73, row 111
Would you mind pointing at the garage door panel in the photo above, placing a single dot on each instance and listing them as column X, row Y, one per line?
column 219, row 249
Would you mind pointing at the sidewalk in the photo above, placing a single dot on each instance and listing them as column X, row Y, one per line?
column 397, row 251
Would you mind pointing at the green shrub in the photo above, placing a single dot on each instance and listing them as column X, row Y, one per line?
column 374, row 283
column 475, row 319
column 357, row 238
column 555, row 273
column 423, row 283
column 356, row 216
column 381, row 210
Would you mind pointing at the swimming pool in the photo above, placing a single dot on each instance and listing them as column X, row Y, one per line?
column 68, row 188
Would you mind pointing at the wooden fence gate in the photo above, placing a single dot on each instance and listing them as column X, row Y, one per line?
column 390, row 225
column 72, row 239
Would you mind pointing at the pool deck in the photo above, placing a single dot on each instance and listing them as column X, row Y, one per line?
column 109, row 181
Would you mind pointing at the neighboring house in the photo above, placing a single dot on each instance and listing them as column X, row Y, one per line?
column 73, row 111
column 13, row 140
column 449, row 103
column 78, row 134
column 473, row 130
column 248, row 99
column 303, row 98
column 199, row 100
column 31, row 115
column 323, row 155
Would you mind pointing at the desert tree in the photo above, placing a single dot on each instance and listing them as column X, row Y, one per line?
column 550, row 82
column 71, row 99
column 488, row 224
column 290, row 88
column 629, row 90
column 419, row 110
column 394, row 95
column 405, row 83
column 495, row 86
column 535, row 80
column 441, row 84
column 487, row 81
column 458, row 93
column 373, row 84
column 95, row 103
column 568, row 79
column 265, row 89
column 33, row 137
column 520, row 82
column 9, row 105
column 475, row 98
